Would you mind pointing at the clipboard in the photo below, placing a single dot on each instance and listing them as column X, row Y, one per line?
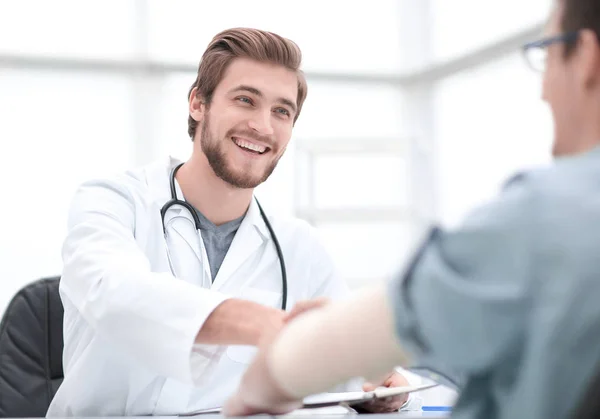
column 346, row 399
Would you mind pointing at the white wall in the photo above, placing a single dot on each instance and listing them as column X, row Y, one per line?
column 58, row 129
column 490, row 124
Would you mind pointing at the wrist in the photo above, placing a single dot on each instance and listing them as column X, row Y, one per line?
column 266, row 325
column 283, row 394
column 239, row 322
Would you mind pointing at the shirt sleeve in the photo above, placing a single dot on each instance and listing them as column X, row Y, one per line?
column 461, row 303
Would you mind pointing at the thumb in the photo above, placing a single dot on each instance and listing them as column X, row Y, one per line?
column 235, row 407
column 367, row 386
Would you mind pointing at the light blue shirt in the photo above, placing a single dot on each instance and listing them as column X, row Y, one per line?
column 510, row 300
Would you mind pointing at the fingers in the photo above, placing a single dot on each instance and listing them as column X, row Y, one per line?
column 235, row 407
column 399, row 401
column 388, row 380
column 367, row 386
column 396, row 380
column 386, row 405
column 304, row 306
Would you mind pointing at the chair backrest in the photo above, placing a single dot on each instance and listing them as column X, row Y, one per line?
column 31, row 345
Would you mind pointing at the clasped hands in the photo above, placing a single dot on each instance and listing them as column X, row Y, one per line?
column 259, row 392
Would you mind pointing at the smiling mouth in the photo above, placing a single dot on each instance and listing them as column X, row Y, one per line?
column 250, row 147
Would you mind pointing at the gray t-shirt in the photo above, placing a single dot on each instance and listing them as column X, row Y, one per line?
column 217, row 240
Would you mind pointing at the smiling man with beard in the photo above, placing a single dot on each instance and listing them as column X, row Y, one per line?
column 173, row 274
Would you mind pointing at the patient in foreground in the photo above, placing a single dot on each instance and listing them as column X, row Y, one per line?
column 509, row 300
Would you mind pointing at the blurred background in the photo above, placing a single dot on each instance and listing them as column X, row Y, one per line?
column 417, row 111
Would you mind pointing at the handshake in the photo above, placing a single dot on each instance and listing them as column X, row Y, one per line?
column 259, row 391
column 280, row 318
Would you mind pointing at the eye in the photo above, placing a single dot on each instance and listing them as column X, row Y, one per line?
column 244, row 99
column 282, row 111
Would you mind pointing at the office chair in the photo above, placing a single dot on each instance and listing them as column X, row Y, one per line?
column 31, row 345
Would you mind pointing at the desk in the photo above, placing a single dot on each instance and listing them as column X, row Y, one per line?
column 399, row 415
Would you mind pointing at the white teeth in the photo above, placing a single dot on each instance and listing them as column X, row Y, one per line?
column 250, row 146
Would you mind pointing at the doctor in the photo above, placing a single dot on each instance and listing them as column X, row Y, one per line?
column 173, row 273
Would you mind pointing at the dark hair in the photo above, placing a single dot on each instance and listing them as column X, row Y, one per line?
column 248, row 43
column 579, row 14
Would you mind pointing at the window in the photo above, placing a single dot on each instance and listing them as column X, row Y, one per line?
column 339, row 110
column 355, row 180
column 58, row 130
column 335, row 36
column 69, row 28
column 460, row 26
column 490, row 122
column 172, row 116
column 367, row 252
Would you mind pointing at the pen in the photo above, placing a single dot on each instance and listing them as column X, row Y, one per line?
column 436, row 408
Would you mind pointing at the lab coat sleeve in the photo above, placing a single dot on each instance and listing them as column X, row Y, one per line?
column 151, row 316
column 461, row 304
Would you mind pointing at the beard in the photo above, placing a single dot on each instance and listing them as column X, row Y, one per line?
column 213, row 150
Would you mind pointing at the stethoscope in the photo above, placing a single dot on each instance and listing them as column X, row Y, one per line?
column 175, row 201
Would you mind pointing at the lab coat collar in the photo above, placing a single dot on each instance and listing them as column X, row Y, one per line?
column 157, row 178
column 254, row 217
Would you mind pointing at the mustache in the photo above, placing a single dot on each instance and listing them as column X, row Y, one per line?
column 252, row 135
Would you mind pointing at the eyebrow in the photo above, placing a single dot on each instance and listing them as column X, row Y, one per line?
column 255, row 91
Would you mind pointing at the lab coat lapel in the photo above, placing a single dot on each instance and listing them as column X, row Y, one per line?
column 183, row 225
column 157, row 179
column 183, row 239
column 251, row 234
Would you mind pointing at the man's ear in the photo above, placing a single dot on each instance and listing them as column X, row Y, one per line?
column 196, row 105
column 588, row 49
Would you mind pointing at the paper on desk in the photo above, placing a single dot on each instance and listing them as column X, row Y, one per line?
column 326, row 402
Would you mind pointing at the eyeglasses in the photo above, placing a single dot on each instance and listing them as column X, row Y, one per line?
column 536, row 52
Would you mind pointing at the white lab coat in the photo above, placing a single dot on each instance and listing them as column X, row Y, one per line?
column 130, row 324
